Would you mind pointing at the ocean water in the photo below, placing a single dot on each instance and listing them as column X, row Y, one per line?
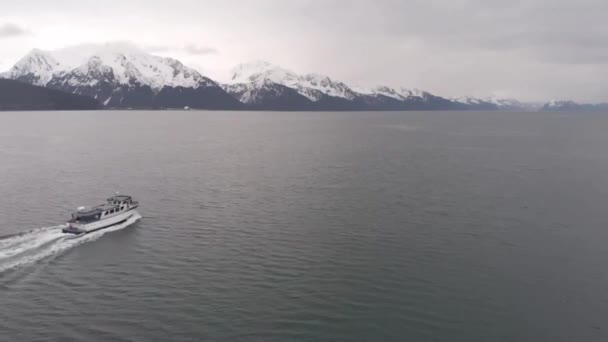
column 457, row 226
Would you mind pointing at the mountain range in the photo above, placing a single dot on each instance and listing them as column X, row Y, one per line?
column 571, row 106
column 120, row 76
column 124, row 78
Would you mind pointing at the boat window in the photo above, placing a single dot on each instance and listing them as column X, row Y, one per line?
column 122, row 208
column 88, row 218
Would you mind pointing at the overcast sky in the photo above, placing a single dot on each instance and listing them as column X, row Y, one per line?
column 534, row 50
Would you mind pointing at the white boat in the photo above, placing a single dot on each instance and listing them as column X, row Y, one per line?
column 118, row 210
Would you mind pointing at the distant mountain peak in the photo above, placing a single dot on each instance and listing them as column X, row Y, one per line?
column 37, row 67
column 127, row 63
column 571, row 106
column 121, row 75
column 399, row 93
column 256, row 71
column 313, row 86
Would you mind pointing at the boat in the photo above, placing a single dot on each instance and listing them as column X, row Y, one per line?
column 118, row 210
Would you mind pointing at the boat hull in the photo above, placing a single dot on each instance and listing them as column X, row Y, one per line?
column 101, row 224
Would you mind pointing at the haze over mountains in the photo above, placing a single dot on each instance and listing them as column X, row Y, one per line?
column 123, row 76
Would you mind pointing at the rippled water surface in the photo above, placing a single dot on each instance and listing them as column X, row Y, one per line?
column 307, row 227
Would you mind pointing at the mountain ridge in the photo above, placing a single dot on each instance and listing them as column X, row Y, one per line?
column 571, row 106
column 124, row 76
column 325, row 93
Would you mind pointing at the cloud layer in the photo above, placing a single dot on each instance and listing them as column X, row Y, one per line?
column 8, row 30
column 200, row 50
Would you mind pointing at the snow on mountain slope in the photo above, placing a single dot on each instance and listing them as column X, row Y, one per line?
column 37, row 68
column 328, row 86
column 487, row 100
column 261, row 70
column 312, row 86
column 573, row 107
column 499, row 103
column 246, row 92
column 468, row 100
column 127, row 64
column 146, row 69
column 326, row 93
column 268, row 95
column 121, row 75
column 401, row 94
column 514, row 104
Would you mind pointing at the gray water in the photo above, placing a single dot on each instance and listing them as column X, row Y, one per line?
column 307, row 227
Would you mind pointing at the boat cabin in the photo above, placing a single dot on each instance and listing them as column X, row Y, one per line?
column 87, row 215
column 114, row 205
column 120, row 200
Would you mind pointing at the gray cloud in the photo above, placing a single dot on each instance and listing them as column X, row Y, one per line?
column 12, row 30
column 190, row 49
column 156, row 48
column 540, row 27
column 200, row 50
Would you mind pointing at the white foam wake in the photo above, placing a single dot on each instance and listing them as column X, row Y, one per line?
column 41, row 243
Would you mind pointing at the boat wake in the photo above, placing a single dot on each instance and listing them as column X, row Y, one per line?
column 22, row 249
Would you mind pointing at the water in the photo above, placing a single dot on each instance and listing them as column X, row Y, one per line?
column 307, row 227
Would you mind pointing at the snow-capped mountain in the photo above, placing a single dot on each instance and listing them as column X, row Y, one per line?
column 247, row 81
column 122, row 76
column 312, row 86
column 128, row 64
column 469, row 100
column 401, row 93
column 409, row 98
column 476, row 103
column 512, row 104
column 265, row 94
column 571, row 106
column 37, row 68
column 496, row 103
